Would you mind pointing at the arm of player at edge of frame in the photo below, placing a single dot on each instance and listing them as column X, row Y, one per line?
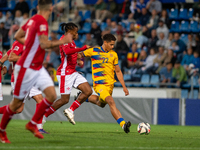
column 43, row 39
column 121, row 79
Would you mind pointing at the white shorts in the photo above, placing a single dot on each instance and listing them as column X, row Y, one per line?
column 1, row 95
column 66, row 82
column 26, row 78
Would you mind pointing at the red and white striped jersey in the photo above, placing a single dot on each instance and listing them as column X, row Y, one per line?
column 68, row 58
column 16, row 48
column 33, row 54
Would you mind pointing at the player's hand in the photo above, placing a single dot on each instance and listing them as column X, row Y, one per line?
column 80, row 63
column 68, row 38
column 126, row 91
column 4, row 69
column 88, row 46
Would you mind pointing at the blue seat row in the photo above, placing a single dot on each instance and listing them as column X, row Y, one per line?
column 192, row 95
column 181, row 14
column 185, row 26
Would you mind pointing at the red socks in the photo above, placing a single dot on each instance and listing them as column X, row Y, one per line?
column 75, row 105
column 40, row 110
column 7, row 116
column 50, row 111
column 40, row 121
column 2, row 109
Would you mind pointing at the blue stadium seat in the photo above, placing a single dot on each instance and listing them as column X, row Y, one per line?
column 145, row 79
column 184, row 27
column 184, row 93
column 128, row 26
column 183, row 14
column 11, row 6
column 87, row 15
column 194, row 27
column 86, row 28
column 34, row 3
column 59, row 36
column 190, row 13
column 60, row 30
column 194, row 95
column 127, row 77
column 173, row 14
column 103, row 26
column 81, row 14
column 78, row 43
column 29, row 3
column 174, row 26
column 83, row 38
column 154, row 79
column 123, row 24
column 184, row 38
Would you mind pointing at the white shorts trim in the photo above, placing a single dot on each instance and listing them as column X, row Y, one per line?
column 68, row 81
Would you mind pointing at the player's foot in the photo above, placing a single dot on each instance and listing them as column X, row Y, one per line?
column 76, row 96
column 43, row 131
column 3, row 137
column 70, row 116
column 127, row 126
column 33, row 128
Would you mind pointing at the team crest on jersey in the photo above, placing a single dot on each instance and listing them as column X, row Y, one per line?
column 16, row 48
column 43, row 27
column 100, row 90
column 111, row 55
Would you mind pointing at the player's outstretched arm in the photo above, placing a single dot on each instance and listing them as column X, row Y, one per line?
column 45, row 43
column 69, row 51
column 3, row 59
column 20, row 36
column 13, row 57
column 121, row 79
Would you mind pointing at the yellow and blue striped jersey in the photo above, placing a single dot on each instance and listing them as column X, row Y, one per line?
column 103, row 65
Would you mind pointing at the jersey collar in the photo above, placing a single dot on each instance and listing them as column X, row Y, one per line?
column 103, row 50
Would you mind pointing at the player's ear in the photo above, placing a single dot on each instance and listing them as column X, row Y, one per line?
column 37, row 7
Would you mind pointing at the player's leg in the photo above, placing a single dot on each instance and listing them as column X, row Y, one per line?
column 45, row 83
column 7, row 116
column 65, row 86
column 117, row 114
column 80, row 83
column 57, row 104
column 21, row 88
column 36, row 94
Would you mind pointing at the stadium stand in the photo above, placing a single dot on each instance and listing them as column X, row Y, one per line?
column 180, row 18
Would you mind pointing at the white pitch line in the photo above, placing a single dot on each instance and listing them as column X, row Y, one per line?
column 103, row 147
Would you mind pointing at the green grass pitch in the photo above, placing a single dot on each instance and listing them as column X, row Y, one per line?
column 104, row 136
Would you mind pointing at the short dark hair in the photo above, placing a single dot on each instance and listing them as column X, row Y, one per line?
column 68, row 26
column 109, row 37
column 43, row 3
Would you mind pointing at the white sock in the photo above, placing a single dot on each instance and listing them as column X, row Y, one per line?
column 71, row 110
column 39, row 126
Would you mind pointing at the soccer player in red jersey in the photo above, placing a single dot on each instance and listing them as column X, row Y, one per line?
column 68, row 77
column 29, row 71
column 13, row 55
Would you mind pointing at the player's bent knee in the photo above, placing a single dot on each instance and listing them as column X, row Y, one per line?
column 110, row 101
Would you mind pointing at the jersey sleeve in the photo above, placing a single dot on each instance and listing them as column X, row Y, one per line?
column 88, row 52
column 43, row 29
column 116, row 59
column 8, row 52
column 1, row 54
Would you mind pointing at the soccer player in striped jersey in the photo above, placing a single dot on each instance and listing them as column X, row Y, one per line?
column 104, row 64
